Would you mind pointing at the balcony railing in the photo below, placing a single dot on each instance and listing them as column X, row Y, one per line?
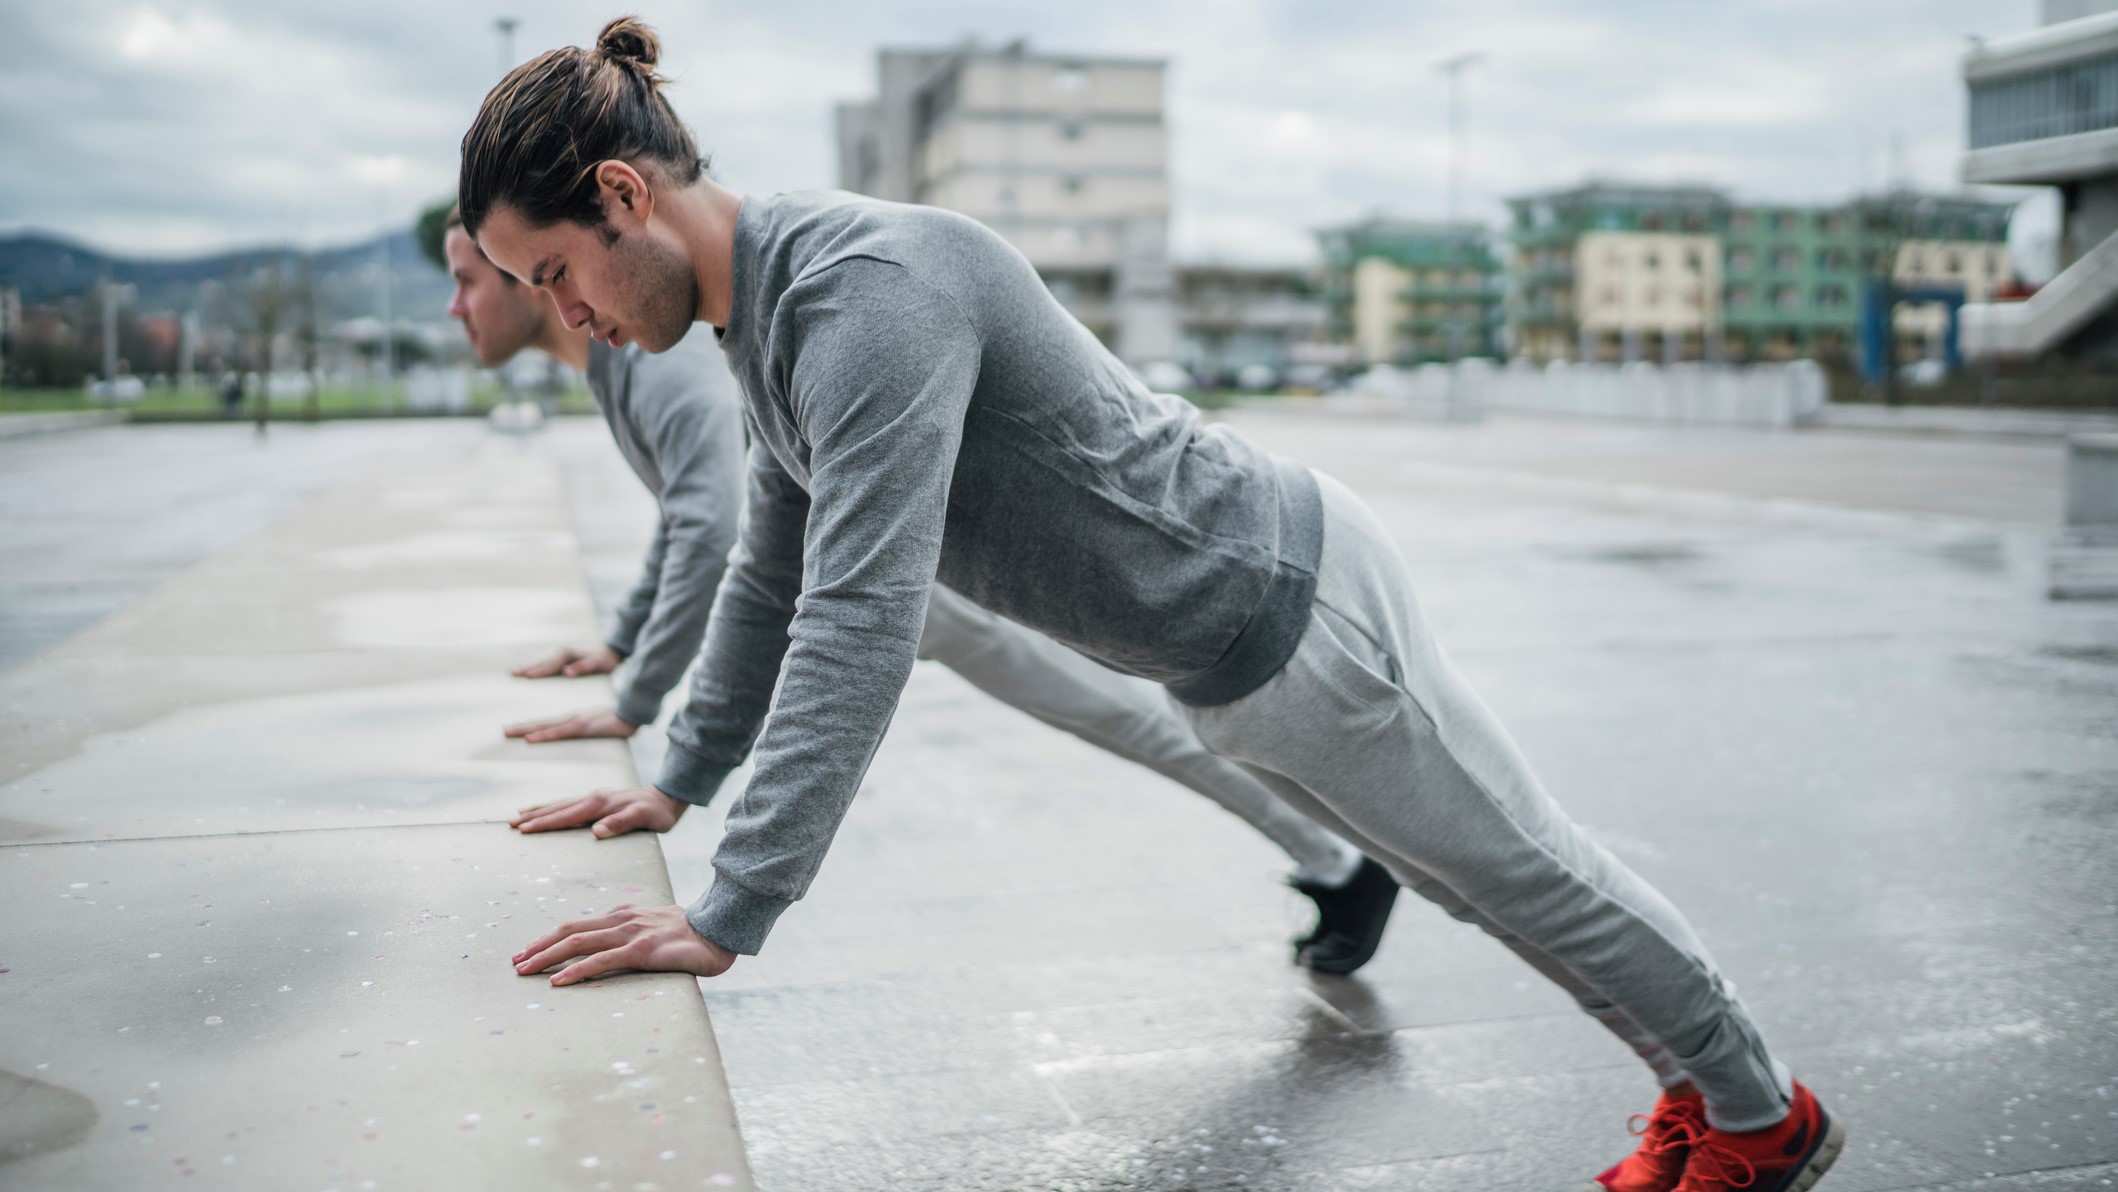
column 2057, row 101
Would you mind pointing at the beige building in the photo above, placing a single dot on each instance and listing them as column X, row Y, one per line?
column 1667, row 283
column 1979, row 267
column 1065, row 155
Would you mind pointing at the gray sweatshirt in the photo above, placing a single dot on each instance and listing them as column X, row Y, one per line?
column 678, row 421
column 920, row 408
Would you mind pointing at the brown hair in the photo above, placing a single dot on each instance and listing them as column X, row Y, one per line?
column 454, row 219
column 543, row 131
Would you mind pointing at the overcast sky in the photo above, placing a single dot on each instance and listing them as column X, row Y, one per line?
column 177, row 127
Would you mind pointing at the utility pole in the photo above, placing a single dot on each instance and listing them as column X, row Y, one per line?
column 110, row 338
column 1453, row 329
column 505, row 27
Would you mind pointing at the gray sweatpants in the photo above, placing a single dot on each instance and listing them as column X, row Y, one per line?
column 1371, row 731
column 1126, row 716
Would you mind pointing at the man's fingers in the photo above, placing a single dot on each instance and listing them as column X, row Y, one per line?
column 527, row 728
column 580, row 943
column 612, row 918
column 608, row 961
column 630, row 818
column 566, row 813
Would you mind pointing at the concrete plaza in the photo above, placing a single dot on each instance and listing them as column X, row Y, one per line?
column 1808, row 683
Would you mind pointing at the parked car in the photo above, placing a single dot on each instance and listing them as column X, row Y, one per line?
column 1165, row 376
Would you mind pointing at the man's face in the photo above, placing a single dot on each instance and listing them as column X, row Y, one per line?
column 499, row 317
column 619, row 280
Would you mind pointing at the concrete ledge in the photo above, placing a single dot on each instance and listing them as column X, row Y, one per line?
column 253, row 828
column 16, row 425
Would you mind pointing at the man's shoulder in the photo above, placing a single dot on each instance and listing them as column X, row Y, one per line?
column 837, row 226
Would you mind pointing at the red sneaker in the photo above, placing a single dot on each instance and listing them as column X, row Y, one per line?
column 1789, row 1157
column 1666, row 1138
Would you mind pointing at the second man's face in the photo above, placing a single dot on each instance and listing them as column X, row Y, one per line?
column 499, row 316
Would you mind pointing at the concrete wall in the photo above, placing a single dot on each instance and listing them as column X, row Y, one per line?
column 1768, row 395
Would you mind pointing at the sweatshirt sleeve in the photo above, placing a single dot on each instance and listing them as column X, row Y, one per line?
column 881, row 367
column 746, row 637
column 696, row 435
column 631, row 615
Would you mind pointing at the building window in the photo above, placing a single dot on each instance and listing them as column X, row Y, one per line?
column 1069, row 79
column 1072, row 129
column 1651, row 220
column 1788, row 221
column 1786, row 297
column 1654, row 259
column 1073, row 183
column 1739, row 259
column 1739, row 221
column 1953, row 264
column 1786, row 257
column 1691, row 260
column 1654, row 296
column 1739, row 295
column 1693, row 221
column 1831, row 296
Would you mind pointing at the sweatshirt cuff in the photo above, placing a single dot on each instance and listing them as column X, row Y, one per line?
column 622, row 639
column 687, row 776
column 637, row 707
column 734, row 916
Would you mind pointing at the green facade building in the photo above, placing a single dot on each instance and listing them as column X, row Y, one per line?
column 1413, row 292
column 1615, row 272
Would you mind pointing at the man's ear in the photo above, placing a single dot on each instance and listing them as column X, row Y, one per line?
column 627, row 198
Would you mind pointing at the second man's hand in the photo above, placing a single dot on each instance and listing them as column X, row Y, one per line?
column 600, row 723
column 571, row 663
column 608, row 812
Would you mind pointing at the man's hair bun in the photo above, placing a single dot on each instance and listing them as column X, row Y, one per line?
column 627, row 40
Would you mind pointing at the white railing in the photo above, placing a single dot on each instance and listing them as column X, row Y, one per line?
column 1676, row 394
column 2042, row 322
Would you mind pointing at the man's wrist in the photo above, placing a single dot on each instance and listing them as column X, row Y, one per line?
column 689, row 777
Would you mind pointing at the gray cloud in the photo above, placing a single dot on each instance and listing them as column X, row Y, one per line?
column 179, row 126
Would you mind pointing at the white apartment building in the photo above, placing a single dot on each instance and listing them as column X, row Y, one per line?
column 1065, row 155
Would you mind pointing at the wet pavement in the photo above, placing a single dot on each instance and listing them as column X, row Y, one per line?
column 252, row 830
column 1807, row 683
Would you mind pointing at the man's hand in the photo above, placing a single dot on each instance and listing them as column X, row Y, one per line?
column 572, row 663
column 650, row 939
column 600, row 723
column 613, row 813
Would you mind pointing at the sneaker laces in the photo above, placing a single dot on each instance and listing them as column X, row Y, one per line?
column 1712, row 1161
column 1672, row 1125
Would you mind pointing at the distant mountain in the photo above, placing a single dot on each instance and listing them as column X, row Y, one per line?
column 348, row 279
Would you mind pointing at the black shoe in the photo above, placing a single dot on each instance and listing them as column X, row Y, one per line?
column 1349, row 919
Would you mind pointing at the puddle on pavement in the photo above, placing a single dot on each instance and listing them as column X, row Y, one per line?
column 377, row 750
column 37, row 1118
column 460, row 617
column 451, row 547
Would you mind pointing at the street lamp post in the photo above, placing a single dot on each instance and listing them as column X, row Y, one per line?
column 1453, row 329
column 505, row 27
